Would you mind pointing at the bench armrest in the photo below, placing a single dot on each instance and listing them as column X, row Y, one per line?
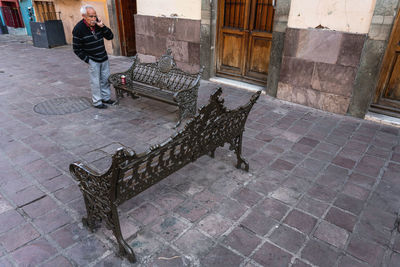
column 199, row 74
column 78, row 168
column 183, row 94
column 82, row 172
column 115, row 78
column 94, row 185
column 191, row 90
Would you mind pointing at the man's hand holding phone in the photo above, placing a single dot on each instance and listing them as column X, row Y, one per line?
column 99, row 22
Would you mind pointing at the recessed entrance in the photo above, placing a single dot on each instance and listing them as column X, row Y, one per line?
column 244, row 39
column 387, row 95
column 126, row 9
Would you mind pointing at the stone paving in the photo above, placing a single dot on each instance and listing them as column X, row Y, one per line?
column 322, row 190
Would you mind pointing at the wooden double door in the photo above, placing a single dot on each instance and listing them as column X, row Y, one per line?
column 387, row 95
column 244, row 39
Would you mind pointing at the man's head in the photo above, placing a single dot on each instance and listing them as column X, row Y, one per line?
column 89, row 14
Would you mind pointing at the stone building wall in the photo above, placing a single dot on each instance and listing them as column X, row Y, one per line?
column 155, row 34
column 176, row 25
column 323, row 44
column 319, row 67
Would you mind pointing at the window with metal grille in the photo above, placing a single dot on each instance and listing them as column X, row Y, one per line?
column 262, row 14
column 11, row 15
column 234, row 13
column 45, row 11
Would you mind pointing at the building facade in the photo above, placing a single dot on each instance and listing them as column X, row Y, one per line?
column 27, row 13
column 337, row 56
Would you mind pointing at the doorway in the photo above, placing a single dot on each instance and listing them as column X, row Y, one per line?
column 244, row 39
column 12, row 15
column 387, row 95
column 126, row 10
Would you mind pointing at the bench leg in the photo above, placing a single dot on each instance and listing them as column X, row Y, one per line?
column 212, row 153
column 134, row 96
column 118, row 94
column 237, row 146
column 186, row 110
column 124, row 249
column 90, row 221
column 181, row 115
column 178, row 123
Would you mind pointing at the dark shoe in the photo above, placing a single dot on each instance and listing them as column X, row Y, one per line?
column 110, row 102
column 101, row 106
column 134, row 96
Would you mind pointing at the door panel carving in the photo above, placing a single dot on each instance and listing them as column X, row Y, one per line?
column 231, row 57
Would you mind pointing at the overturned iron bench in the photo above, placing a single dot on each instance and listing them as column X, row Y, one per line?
column 161, row 81
column 132, row 173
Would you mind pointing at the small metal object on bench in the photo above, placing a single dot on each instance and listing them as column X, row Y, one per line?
column 161, row 81
column 131, row 174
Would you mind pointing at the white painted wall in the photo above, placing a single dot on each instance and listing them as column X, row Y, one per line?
column 352, row 16
column 188, row 9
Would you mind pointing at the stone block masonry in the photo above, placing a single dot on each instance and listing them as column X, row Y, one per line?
column 319, row 68
column 155, row 34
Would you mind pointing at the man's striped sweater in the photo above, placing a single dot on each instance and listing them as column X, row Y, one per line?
column 90, row 46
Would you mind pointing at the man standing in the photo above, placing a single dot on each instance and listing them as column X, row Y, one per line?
column 88, row 45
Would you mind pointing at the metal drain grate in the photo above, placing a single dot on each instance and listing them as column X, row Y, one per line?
column 62, row 105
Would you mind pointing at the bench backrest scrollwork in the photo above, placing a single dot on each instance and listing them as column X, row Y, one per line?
column 163, row 74
column 211, row 128
column 132, row 173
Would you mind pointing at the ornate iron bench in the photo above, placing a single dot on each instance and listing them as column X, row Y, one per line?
column 161, row 81
column 132, row 173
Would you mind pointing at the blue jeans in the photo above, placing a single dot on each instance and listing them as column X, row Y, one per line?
column 99, row 73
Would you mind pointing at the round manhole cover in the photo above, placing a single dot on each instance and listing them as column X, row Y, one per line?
column 62, row 105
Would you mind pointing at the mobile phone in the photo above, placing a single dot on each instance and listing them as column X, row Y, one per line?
column 97, row 19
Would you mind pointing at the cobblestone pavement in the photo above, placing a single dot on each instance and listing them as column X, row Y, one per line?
column 322, row 190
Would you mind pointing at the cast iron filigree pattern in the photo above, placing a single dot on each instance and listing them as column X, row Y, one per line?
column 166, row 62
column 96, row 190
column 99, row 195
column 132, row 173
column 161, row 80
